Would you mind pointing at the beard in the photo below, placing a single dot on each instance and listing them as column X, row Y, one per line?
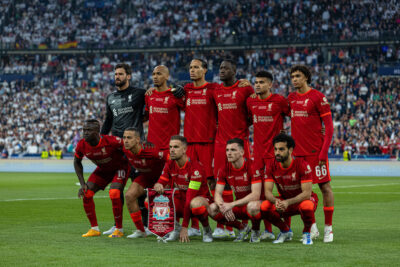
column 121, row 83
column 281, row 158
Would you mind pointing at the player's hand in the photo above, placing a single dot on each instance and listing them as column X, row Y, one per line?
column 178, row 91
column 281, row 205
column 149, row 92
column 244, row 83
column 225, row 207
column 82, row 190
column 159, row 188
column 183, row 235
column 254, row 95
column 229, row 216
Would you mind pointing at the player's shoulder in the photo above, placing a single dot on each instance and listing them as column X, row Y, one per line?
column 278, row 97
column 316, row 93
column 137, row 90
column 81, row 143
column 188, row 86
column 110, row 138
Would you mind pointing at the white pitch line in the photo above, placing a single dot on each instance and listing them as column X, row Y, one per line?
column 343, row 186
column 50, row 198
column 366, row 185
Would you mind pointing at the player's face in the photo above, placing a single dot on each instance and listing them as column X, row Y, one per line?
column 196, row 70
column 159, row 76
column 298, row 79
column 90, row 131
column 121, row 78
column 130, row 140
column 282, row 153
column 234, row 152
column 262, row 85
column 226, row 71
column 176, row 149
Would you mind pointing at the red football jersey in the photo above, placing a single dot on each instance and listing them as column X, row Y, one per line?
column 164, row 117
column 106, row 155
column 240, row 180
column 306, row 112
column 288, row 181
column 232, row 112
column 148, row 160
column 267, row 116
column 190, row 178
column 200, row 123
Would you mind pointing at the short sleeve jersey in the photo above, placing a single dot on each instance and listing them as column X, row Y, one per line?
column 200, row 123
column 306, row 111
column 106, row 155
column 232, row 112
column 148, row 160
column 164, row 117
column 268, row 117
column 289, row 180
column 180, row 178
column 240, row 180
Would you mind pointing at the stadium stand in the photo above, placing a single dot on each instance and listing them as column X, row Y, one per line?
column 44, row 97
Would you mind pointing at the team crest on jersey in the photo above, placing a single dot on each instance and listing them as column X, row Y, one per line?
column 204, row 91
column 245, row 177
column 166, row 100
column 104, row 150
column 188, row 102
column 234, row 94
column 144, row 161
column 293, row 176
column 269, row 106
column 129, row 98
column 161, row 208
column 254, row 118
column 219, row 107
column 151, row 109
column 186, row 177
column 305, row 102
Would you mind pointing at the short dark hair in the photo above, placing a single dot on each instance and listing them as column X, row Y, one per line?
column 179, row 138
column 265, row 74
column 237, row 141
column 231, row 61
column 124, row 66
column 303, row 69
column 133, row 129
column 204, row 64
column 284, row 138
column 93, row 121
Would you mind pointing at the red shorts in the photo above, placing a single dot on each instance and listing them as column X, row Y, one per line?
column 220, row 155
column 147, row 179
column 320, row 174
column 102, row 177
column 294, row 209
column 203, row 152
column 241, row 212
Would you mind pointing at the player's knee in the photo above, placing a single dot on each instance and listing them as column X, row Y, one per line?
column 253, row 208
column 325, row 188
column 267, row 206
column 199, row 210
column 213, row 209
column 306, row 205
column 89, row 193
column 114, row 193
column 196, row 202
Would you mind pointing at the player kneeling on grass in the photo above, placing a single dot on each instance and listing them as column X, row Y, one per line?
column 293, row 179
column 189, row 177
column 106, row 152
column 149, row 161
column 237, row 173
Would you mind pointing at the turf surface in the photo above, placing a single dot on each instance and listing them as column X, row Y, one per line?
column 41, row 222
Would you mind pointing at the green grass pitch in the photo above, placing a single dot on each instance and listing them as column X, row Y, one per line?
column 41, row 222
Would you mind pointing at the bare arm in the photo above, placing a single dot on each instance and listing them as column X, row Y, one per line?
column 79, row 172
column 254, row 195
column 306, row 189
column 268, row 186
column 219, row 189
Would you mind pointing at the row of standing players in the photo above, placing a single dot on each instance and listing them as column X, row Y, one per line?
column 235, row 105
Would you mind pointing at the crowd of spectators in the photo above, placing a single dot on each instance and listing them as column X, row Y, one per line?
column 47, row 112
column 141, row 23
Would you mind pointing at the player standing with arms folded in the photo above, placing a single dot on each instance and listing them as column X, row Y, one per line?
column 267, row 112
column 309, row 111
column 124, row 108
column 106, row 152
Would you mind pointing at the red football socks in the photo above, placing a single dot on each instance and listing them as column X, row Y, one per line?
column 328, row 212
column 88, row 205
column 137, row 220
column 202, row 215
column 116, row 207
